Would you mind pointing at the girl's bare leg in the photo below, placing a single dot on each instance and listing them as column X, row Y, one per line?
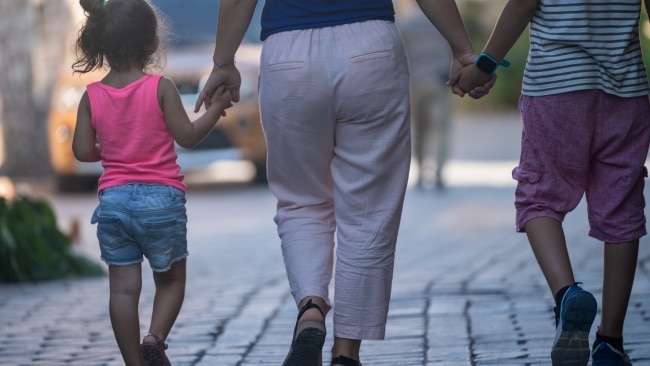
column 125, row 285
column 170, row 292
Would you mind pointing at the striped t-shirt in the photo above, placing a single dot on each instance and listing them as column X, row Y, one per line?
column 578, row 45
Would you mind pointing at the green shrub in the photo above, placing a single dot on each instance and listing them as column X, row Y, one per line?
column 32, row 248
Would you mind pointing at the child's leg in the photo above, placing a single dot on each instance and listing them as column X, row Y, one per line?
column 546, row 238
column 125, row 285
column 575, row 308
column 620, row 266
column 170, row 292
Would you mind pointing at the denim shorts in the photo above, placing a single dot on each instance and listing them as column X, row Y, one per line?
column 141, row 219
column 586, row 143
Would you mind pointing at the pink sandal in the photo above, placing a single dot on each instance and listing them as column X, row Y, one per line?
column 152, row 351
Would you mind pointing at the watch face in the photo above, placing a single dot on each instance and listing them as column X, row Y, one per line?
column 486, row 65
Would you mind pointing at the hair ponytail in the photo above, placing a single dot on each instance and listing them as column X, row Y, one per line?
column 89, row 45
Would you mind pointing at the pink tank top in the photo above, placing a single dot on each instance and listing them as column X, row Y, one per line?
column 136, row 146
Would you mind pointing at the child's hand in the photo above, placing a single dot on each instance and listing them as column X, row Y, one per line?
column 471, row 80
column 221, row 99
column 482, row 90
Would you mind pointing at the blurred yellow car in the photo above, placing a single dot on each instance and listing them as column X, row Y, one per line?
column 238, row 137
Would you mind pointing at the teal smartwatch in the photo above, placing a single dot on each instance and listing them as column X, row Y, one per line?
column 488, row 64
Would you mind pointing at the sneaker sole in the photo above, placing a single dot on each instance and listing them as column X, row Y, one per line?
column 307, row 348
column 571, row 346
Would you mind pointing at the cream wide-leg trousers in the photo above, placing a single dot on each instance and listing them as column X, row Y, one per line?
column 335, row 110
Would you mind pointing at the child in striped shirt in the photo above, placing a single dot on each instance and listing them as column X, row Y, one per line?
column 586, row 131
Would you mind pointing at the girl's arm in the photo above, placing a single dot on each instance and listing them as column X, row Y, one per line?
column 84, row 142
column 189, row 133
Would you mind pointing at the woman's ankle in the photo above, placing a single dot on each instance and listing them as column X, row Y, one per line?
column 313, row 313
column 346, row 347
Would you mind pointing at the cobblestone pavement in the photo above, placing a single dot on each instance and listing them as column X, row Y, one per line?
column 466, row 290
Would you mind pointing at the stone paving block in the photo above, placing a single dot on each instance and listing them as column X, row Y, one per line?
column 400, row 327
column 526, row 305
column 502, row 354
column 449, row 330
column 407, row 306
column 638, row 345
column 520, row 362
column 189, row 349
column 449, row 355
column 183, row 360
column 225, row 360
column 405, row 351
column 441, row 304
column 10, row 360
column 245, row 327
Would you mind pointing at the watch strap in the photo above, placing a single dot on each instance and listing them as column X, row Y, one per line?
column 503, row 63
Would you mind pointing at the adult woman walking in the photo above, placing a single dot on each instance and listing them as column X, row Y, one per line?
column 334, row 103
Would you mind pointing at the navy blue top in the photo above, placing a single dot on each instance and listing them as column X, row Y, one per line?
column 286, row 15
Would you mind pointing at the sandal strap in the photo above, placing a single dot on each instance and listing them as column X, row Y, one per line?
column 345, row 361
column 307, row 306
column 158, row 340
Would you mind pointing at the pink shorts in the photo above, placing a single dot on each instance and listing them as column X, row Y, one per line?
column 585, row 142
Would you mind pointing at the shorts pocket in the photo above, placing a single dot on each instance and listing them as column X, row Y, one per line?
column 161, row 235
column 93, row 218
column 525, row 176
column 523, row 103
column 110, row 232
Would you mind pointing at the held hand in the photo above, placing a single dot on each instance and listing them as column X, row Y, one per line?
column 221, row 99
column 459, row 62
column 228, row 77
column 475, row 82
column 481, row 91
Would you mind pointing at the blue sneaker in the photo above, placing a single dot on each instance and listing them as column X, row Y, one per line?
column 606, row 355
column 574, row 318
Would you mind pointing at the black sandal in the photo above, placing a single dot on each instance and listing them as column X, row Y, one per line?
column 308, row 340
column 345, row 361
column 152, row 352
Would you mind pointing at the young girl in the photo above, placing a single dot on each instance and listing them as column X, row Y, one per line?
column 129, row 121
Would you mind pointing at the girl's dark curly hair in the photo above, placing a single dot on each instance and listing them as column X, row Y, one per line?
column 122, row 33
